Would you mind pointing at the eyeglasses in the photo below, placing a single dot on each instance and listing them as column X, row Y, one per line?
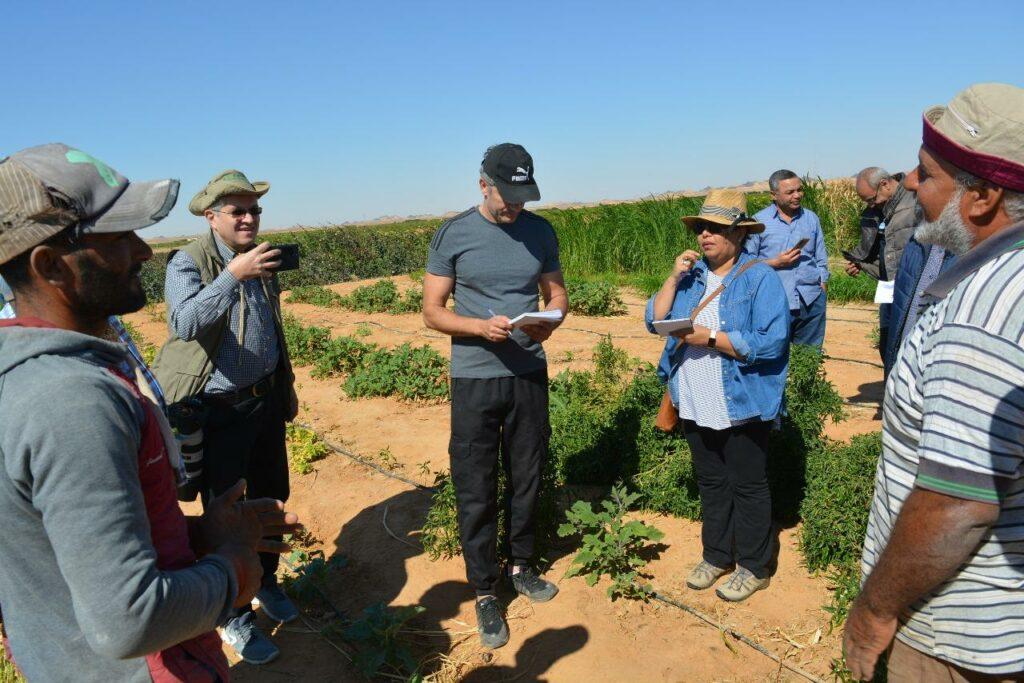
column 240, row 212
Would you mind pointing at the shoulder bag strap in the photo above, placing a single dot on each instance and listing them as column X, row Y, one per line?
column 720, row 289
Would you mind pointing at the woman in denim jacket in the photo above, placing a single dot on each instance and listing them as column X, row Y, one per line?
column 726, row 377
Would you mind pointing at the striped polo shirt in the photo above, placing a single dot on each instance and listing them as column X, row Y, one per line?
column 954, row 423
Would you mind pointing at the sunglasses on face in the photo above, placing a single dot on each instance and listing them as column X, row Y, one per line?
column 717, row 228
column 240, row 212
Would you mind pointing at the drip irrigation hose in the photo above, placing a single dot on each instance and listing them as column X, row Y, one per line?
column 737, row 636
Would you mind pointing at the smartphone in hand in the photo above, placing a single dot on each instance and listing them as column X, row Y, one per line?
column 802, row 243
column 289, row 257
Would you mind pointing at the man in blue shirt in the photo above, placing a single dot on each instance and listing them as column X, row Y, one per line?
column 793, row 244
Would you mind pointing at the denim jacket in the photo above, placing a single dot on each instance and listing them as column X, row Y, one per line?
column 754, row 312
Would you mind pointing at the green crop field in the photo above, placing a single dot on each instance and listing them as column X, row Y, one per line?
column 631, row 243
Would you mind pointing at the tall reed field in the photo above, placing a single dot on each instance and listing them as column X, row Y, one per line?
column 632, row 243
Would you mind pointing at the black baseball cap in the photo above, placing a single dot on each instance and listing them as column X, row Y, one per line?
column 510, row 166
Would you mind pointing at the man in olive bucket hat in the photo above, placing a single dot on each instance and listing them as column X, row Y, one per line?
column 944, row 552
column 226, row 348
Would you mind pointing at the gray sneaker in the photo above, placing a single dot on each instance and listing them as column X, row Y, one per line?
column 247, row 640
column 704, row 575
column 741, row 585
column 526, row 582
column 490, row 623
column 276, row 604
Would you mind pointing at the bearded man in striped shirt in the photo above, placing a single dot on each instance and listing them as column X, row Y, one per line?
column 944, row 553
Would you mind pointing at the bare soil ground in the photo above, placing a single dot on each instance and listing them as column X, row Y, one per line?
column 581, row 635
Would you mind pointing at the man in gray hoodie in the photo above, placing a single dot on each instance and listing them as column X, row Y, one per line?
column 101, row 575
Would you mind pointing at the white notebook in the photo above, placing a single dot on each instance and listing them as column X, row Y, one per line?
column 549, row 317
column 667, row 327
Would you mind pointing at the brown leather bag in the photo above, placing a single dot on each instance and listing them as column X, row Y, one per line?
column 668, row 415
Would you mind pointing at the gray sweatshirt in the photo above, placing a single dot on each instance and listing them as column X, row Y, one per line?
column 82, row 597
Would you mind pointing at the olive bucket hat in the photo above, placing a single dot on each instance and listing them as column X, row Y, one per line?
column 223, row 184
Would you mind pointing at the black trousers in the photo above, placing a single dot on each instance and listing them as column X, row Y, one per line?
column 732, row 476
column 247, row 440
column 506, row 419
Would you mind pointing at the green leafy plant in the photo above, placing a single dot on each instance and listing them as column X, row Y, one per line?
column 383, row 297
column 317, row 295
column 378, row 634
column 411, row 373
column 440, row 532
column 594, row 297
column 612, row 546
column 363, row 330
column 146, row 348
column 341, row 356
column 304, row 448
column 309, row 570
column 305, row 344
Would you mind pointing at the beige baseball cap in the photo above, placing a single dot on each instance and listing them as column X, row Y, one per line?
column 981, row 131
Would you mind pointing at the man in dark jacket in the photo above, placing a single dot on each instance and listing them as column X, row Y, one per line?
column 918, row 268
column 97, row 562
column 887, row 224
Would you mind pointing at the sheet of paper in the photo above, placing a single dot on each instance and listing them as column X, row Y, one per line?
column 667, row 327
column 884, row 291
column 540, row 317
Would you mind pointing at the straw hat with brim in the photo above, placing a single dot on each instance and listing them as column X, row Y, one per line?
column 48, row 188
column 230, row 182
column 725, row 207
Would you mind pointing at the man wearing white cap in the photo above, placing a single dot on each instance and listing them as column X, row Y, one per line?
column 944, row 552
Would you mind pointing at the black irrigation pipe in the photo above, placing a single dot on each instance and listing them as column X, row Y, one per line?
column 736, row 635
column 657, row 596
column 365, row 462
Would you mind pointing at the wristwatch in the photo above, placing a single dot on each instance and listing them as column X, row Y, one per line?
column 712, row 335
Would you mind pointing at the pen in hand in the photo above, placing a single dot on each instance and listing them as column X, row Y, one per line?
column 492, row 314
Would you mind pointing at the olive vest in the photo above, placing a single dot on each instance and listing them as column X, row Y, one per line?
column 183, row 367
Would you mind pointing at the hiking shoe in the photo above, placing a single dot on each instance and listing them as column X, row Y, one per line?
column 276, row 604
column 704, row 576
column 526, row 582
column 490, row 623
column 248, row 641
column 741, row 585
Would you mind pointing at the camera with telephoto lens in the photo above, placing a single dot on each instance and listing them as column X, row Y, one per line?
column 187, row 419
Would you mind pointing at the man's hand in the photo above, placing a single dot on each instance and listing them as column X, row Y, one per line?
column 496, row 329
column 260, row 261
column 684, row 262
column 248, row 571
column 852, row 269
column 785, row 259
column 230, row 520
column 539, row 332
column 865, row 638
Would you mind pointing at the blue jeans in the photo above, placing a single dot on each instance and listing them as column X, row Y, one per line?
column 807, row 323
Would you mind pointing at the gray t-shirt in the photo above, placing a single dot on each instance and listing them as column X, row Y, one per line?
column 496, row 268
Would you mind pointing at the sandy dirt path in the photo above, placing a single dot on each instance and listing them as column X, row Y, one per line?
column 581, row 635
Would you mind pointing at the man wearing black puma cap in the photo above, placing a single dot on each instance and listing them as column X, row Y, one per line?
column 494, row 257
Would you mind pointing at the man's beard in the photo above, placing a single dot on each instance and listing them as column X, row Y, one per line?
column 948, row 230
column 102, row 293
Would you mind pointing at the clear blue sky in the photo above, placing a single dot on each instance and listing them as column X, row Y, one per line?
column 357, row 110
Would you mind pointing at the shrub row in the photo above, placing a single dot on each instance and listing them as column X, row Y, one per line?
column 380, row 297
column 407, row 372
column 634, row 242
